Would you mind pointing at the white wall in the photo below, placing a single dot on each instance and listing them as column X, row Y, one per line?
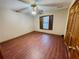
column 59, row 22
column 14, row 24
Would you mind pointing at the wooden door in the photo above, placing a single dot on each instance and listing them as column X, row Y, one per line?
column 72, row 34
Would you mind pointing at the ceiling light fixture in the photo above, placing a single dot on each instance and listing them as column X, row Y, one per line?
column 34, row 12
column 34, row 9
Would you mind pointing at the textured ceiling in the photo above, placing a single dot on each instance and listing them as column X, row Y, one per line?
column 15, row 4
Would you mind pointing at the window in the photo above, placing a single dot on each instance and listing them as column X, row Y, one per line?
column 46, row 22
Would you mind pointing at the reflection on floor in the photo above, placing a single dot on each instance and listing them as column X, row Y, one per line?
column 35, row 45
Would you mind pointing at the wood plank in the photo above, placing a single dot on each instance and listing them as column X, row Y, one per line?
column 35, row 45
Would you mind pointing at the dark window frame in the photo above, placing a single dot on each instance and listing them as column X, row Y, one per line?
column 50, row 22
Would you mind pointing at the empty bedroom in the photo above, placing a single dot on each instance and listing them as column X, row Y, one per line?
column 39, row 29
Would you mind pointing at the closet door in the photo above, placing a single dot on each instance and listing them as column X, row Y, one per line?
column 76, row 29
column 72, row 34
column 70, row 26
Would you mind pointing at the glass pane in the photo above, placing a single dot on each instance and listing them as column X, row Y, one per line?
column 46, row 22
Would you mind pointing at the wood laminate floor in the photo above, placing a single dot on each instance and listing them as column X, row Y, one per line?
column 35, row 45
